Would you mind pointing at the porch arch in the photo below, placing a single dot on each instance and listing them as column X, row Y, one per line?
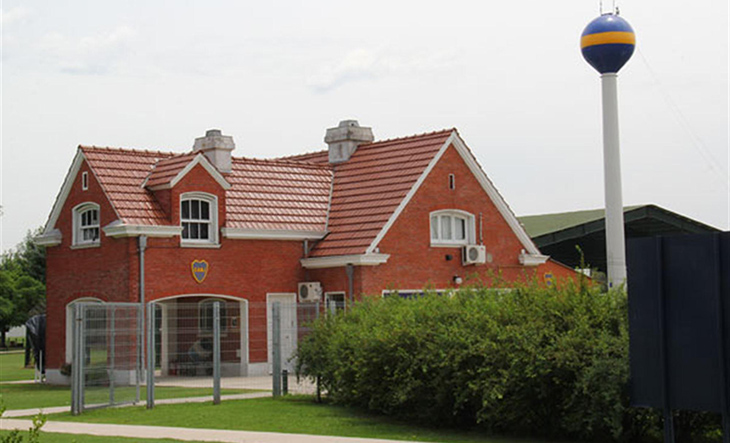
column 169, row 329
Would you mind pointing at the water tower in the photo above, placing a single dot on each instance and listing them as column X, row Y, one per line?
column 607, row 44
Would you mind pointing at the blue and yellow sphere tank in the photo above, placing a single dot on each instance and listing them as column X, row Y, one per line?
column 607, row 43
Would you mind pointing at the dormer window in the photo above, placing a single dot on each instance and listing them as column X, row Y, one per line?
column 198, row 217
column 452, row 227
column 86, row 225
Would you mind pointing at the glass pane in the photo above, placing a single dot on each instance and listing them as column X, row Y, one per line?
column 195, row 209
column 186, row 230
column 446, row 227
column 94, row 217
column 434, row 227
column 204, row 211
column 185, row 210
column 460, row 233
column 204, row 230
column 194, row 230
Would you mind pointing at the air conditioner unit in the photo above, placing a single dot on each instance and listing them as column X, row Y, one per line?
column 310, row 291
column 474, row 254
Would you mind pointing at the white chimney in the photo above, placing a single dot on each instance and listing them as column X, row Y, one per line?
column 345, row 138
column 216, row 148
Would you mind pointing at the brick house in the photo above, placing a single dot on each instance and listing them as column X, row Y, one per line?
column 360, row 218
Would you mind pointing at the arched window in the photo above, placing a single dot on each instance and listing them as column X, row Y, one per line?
column 86, row 225
column 199, row 218
column 452, row 227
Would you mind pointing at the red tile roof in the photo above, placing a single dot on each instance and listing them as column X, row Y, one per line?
column 369, row 187
column 291, row 193
column 265, row 194
column 167, row 169
column 120, row 173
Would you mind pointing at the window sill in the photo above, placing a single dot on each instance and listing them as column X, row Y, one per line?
column 86, row 245
column 448, row 245
column 201, row 245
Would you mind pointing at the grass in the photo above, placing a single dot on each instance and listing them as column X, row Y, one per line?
column 52, row 437
column 296, row 415
column 26, row 396
column 11, row 367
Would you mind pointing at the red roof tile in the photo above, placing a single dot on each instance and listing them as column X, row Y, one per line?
column 369, row 187
column 291, row 193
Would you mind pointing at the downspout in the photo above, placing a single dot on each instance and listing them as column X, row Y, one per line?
column 140, row 325
column 350, row 270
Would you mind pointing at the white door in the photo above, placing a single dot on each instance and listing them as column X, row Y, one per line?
column 288, row 328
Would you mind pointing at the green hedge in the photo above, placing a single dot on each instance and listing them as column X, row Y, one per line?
column 532, row 361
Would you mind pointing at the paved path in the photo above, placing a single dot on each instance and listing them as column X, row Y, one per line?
column 185, row 434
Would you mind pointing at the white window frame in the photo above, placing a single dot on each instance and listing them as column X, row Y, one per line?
column 77, row 234
column 213, row 236
column 469, row 228
column 204, row 331
column 84, row 181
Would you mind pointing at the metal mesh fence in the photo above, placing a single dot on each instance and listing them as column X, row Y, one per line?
column 193, row 347
column 106, row 355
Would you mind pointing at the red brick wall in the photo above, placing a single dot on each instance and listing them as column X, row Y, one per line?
column 100, row 272
column 414, row 263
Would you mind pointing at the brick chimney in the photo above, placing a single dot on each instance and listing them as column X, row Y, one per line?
column 216, row 148
column 345, row 138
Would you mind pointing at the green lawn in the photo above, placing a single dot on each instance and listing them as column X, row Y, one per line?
column 11, row 367
column 26, row 396
column 297, row 415
column 48, row 437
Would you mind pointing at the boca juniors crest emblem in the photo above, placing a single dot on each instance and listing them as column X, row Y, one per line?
column 200, row 270
column 549, row 279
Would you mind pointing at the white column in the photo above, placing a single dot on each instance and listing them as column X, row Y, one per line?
column 615, row 243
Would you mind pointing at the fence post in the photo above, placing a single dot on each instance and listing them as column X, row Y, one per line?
column 77, row 361
column 112, row 356
column 316, row 316
column 150, row 355
column 276, row 348
column 216, row 353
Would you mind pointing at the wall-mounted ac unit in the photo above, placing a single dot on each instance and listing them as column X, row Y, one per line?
column 310, row 291
column 474, row 254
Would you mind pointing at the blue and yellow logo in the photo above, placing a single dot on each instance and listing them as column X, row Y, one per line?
column 200, row 270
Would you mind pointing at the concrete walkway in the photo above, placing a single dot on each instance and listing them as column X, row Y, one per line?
column 184, row 434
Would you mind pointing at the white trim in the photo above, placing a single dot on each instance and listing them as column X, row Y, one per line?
column 532, row 259
column 117, row 229
column 68, row 182
column 197, row 160
column 85, row 181
column 52, row 238
column 337, row 261
column 77, row 241
column 271, row 234
column 470, row 228
column 483, row 180
column 213, row 236
column 385, row 292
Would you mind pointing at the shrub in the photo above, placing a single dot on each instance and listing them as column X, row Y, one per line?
column 547, row 362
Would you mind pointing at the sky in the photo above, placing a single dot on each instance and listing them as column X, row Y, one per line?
column 275, row 75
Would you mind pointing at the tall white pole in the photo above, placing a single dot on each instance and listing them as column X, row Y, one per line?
column 615, row 243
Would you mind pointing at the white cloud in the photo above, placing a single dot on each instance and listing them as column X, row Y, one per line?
column 13, row 15
column 98, row 54
column 362, row 64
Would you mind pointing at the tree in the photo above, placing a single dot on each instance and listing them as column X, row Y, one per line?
column 22, row 284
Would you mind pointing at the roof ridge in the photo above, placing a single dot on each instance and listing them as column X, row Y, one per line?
column 285, row 161
column 421, row 135
column 129, row 150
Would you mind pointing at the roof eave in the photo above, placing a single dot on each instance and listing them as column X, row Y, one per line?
column 271, row 234
column 338, row 261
